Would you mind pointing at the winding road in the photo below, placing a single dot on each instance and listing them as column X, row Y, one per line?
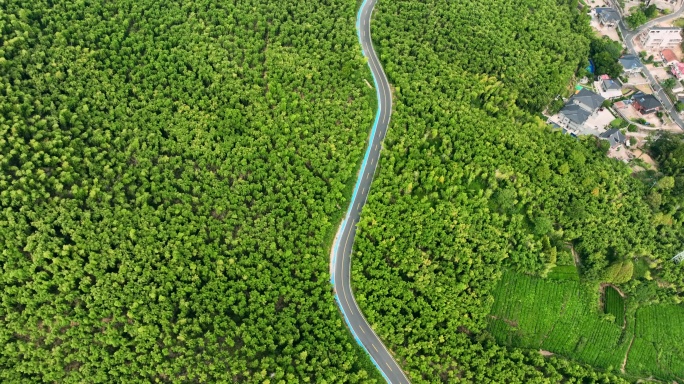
column 344, row 239
column 628, row 36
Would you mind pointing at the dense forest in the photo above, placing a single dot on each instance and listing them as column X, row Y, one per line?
column 532, row 47
column 472, row 183
column 172, row 174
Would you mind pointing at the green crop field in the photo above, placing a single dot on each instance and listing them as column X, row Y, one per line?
column 564, row 272
column 562, row 316
column 659, row 347
column 614, row 304
column 554, row 315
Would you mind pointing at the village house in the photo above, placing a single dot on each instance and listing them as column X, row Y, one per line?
column 579, row 108
column 645, row 104
column 677, row 70
column 631, row 64
column 607, row 17
column 668, row 56
column 609, row 88
column 614, row 137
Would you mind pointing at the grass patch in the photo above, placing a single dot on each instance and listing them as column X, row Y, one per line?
column 641, row 266
column 618, row 123
column 614, row 304
column 564, row 256
column 564, row 272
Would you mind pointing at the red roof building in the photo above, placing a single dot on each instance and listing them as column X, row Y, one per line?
column 668, row 56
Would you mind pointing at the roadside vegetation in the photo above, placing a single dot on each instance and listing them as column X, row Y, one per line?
column 642, row 14
column 474, row 191
column 171, row 177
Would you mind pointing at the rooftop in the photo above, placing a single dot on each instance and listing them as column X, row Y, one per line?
column 608, row 14
column 630, row 62
column 668, row 55
column 665, row 29
column 588, row 98
column 575, row 113
column 612, row 84
column 614, row 136
column 646, row 101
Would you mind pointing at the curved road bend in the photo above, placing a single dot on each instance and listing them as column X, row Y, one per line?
column 628, row 37
column 344, row 239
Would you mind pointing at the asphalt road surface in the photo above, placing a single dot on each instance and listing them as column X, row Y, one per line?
column 344, row 240
column 628, row 37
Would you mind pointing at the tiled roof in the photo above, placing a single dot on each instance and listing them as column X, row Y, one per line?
column 669, row 55
column 614, row 136
column 575, row 113
column 608, row 14
column 646, row 101
column 612, row 84
column 629, row 62
column 588, row 98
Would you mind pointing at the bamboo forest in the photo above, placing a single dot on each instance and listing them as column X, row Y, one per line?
column 173, row 175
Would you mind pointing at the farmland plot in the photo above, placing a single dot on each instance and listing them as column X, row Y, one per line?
column 614, row 304
column 660, row 337
column 564, row 272
column 561, row 316
column 556, row 316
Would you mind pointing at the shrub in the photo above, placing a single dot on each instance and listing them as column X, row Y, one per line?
column 620, row 272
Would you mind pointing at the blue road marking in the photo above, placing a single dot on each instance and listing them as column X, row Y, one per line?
column 344, row 224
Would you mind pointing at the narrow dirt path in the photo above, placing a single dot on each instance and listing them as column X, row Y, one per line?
column 624, row 361
column 575, row 256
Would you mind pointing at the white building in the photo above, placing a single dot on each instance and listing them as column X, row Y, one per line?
column 609, row 88
column 660, row 37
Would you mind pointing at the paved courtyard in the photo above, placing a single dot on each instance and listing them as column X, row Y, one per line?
column 632, row 114
column 599, row 121
column 637, row 79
